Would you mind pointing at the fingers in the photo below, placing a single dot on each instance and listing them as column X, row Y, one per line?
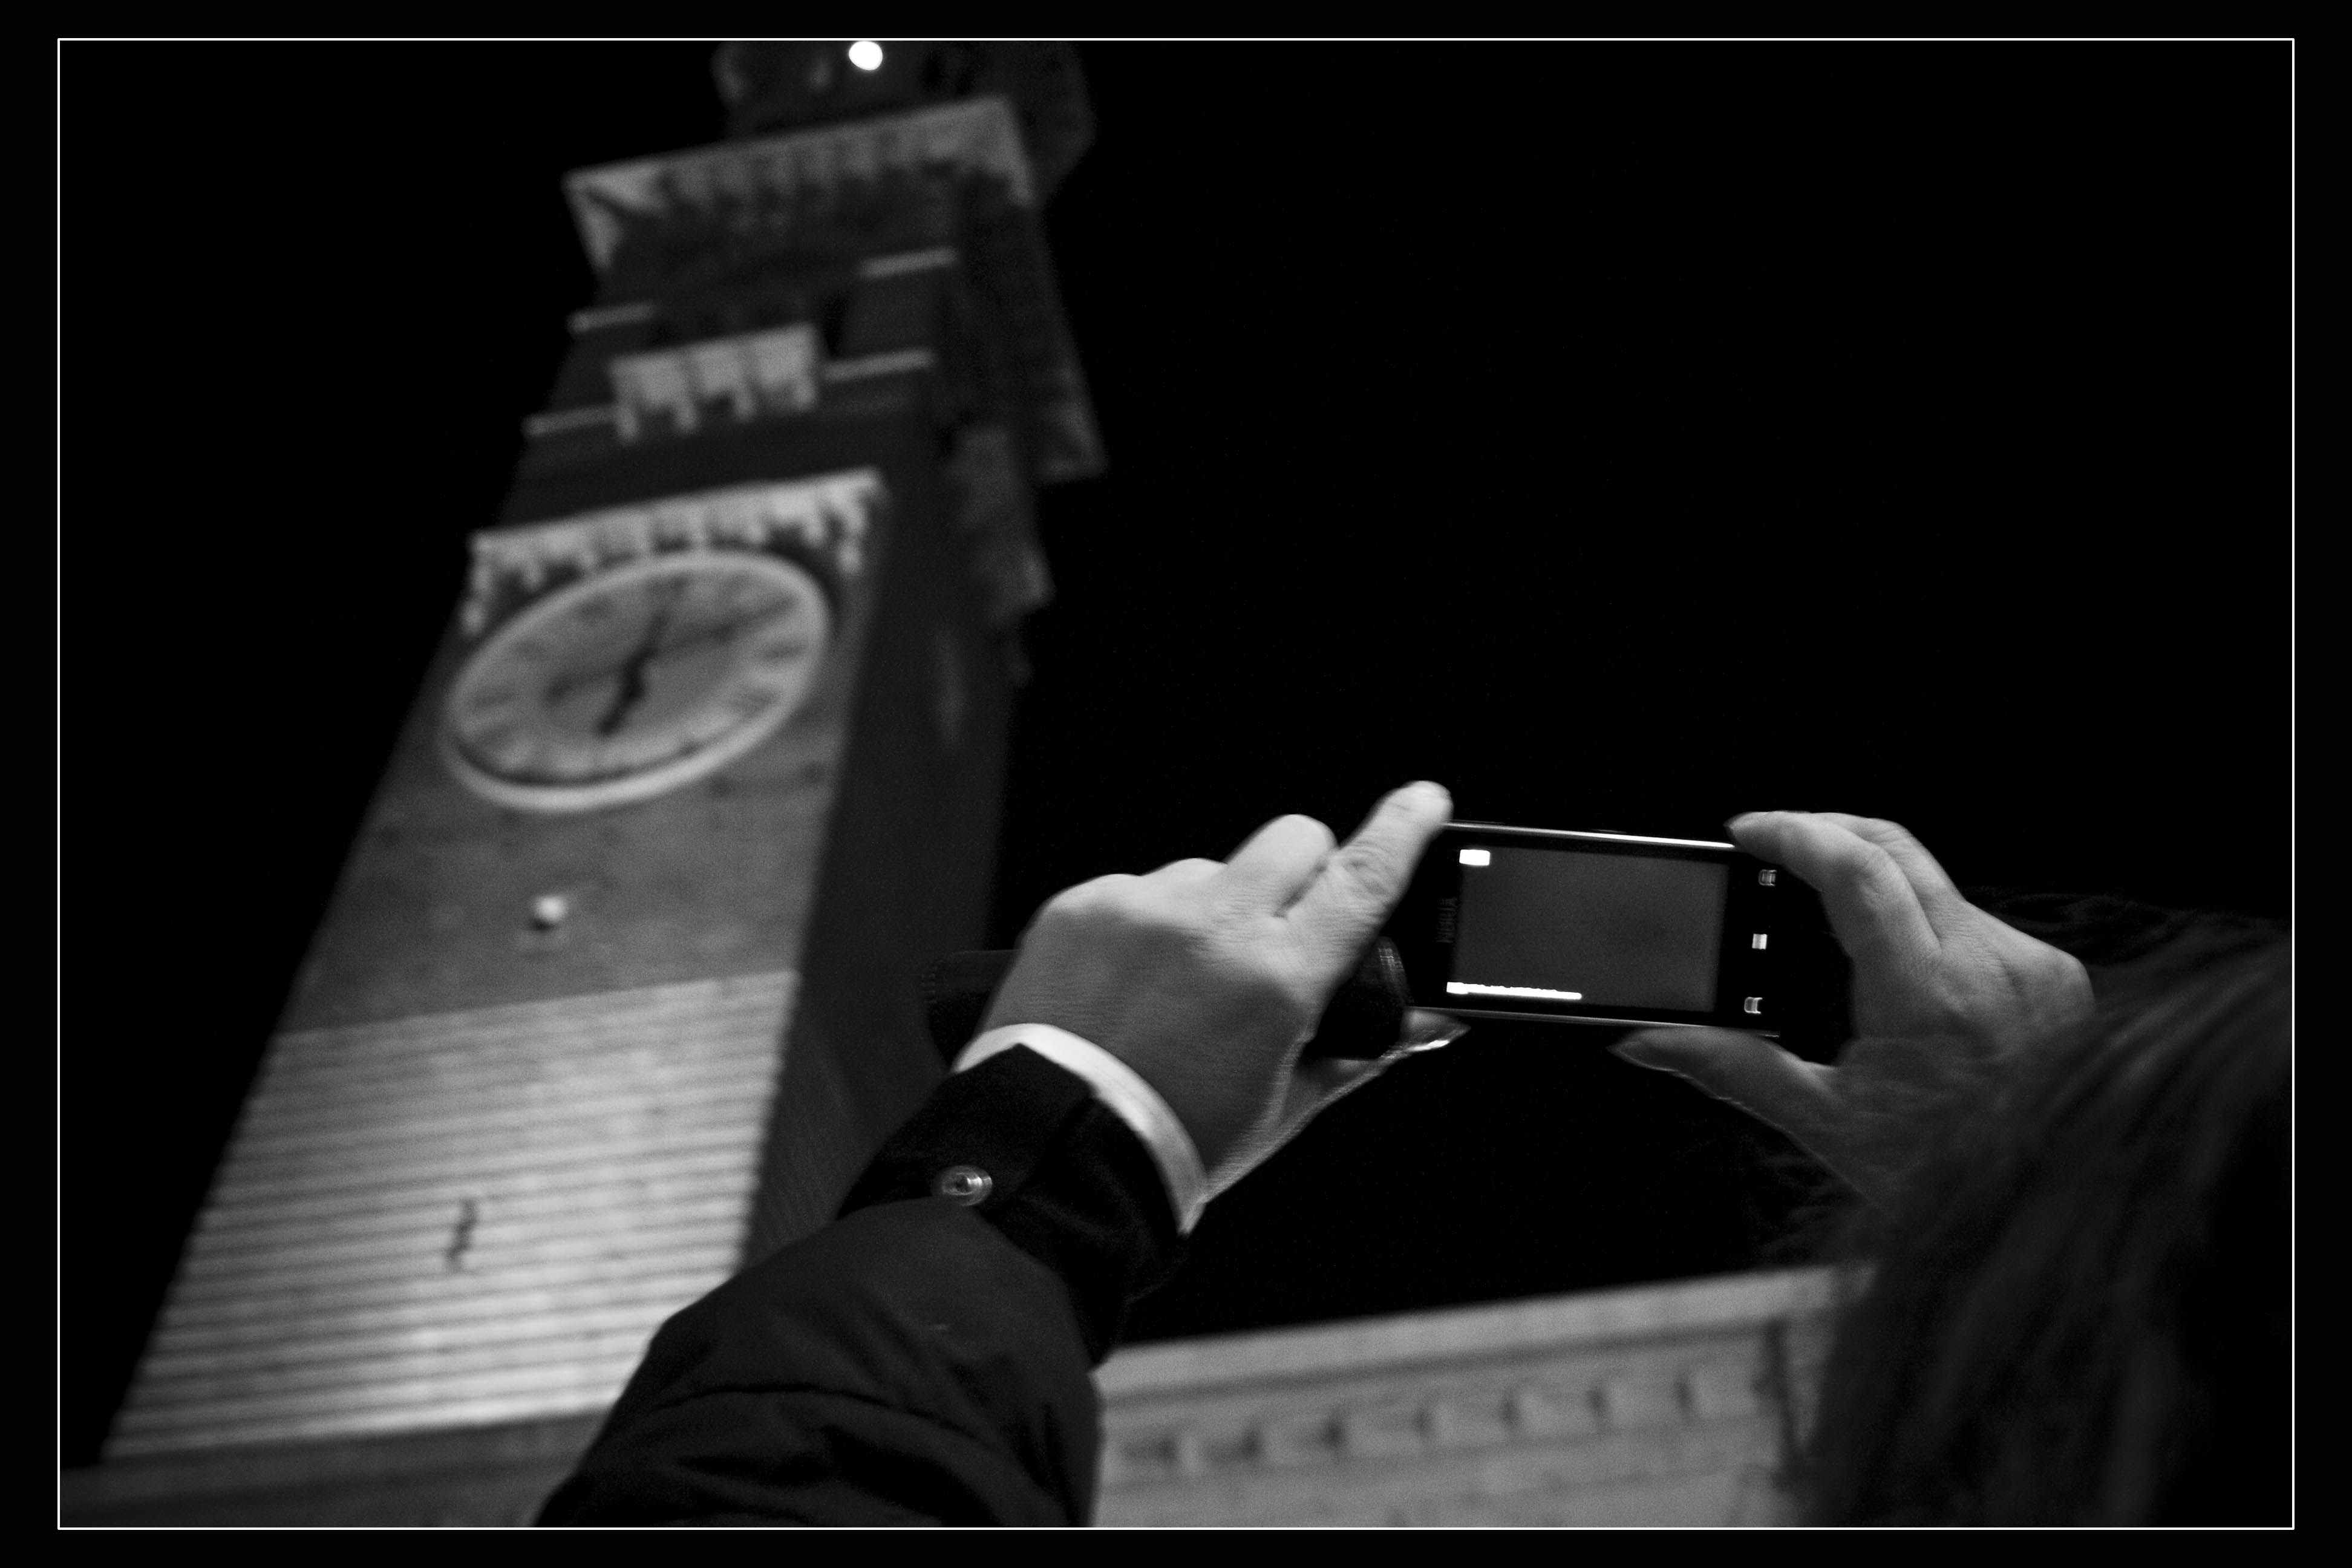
column 1361, row 882
column 1278, row 864
column 1938, row 896
column 1752, row 1073
column 1873, row 905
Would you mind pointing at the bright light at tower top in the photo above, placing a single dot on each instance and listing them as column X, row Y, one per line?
column 866, row 55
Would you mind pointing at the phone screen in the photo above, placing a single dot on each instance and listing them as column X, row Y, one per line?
column 1602, row 930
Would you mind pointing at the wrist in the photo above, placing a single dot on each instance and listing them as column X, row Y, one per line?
column 1126, row 1093
column 1026, row 1147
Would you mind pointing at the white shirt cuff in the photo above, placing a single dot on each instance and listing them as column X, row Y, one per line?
column 1120, row 1088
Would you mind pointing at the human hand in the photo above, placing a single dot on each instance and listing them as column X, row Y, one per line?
column 1206, row 977
column 1940, row 988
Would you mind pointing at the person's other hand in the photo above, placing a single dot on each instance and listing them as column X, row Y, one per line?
column 1206, row 977
column 1938, row 986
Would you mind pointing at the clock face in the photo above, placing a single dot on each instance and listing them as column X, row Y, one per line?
column 635, row 681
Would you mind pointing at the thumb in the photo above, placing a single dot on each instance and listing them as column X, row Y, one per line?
column 1797, row 1097
column 1315, row 1086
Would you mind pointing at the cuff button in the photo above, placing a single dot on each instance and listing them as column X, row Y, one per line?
column 965, row 1184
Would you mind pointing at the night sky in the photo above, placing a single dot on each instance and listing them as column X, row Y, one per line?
column 1623, row 434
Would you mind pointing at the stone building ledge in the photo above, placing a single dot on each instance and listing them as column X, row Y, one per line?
column 1667, row 1404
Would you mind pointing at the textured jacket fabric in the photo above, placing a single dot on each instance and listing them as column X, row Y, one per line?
column 920, row 1361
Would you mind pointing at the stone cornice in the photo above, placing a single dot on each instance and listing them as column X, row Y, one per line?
column 977, row 136
column 1506, row 1329
column 828, row 515
column 1663, row 1405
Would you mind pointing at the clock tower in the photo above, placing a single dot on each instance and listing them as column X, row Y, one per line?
column 618, row 988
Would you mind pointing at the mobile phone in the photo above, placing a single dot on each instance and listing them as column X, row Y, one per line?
column 1613, row 928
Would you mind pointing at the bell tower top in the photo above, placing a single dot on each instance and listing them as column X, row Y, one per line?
column 772, row 87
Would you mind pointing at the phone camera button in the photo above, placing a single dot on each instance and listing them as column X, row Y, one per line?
column 1768, row 878
column 1752, row 1005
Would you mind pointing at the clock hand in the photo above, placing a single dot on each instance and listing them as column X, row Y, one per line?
column 632, row 690
column 627, row 695
column 564, row 686
column 651, row 650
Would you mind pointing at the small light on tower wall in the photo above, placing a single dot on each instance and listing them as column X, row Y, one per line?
column 866, row 55
column 549, row 910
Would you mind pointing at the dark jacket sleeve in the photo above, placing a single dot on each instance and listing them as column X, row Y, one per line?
column 918, row 1361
